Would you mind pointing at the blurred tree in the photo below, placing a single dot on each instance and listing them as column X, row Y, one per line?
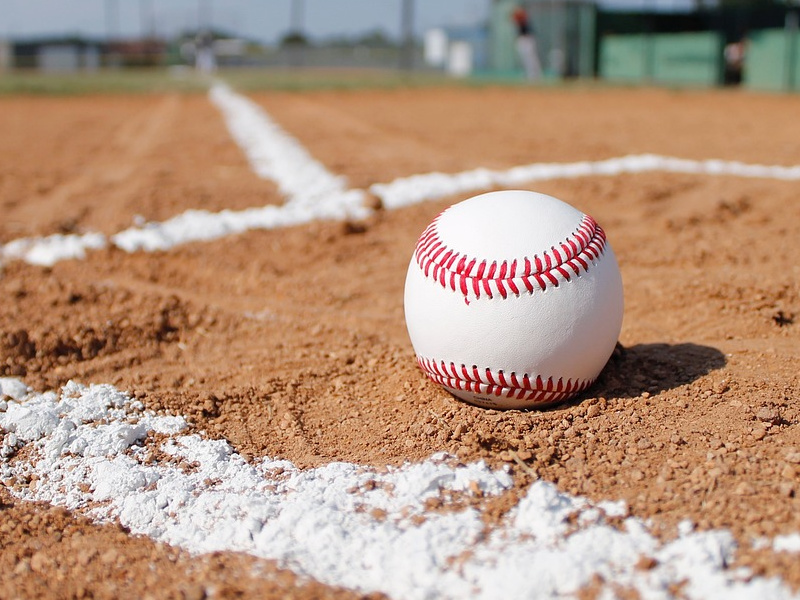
column 295, row 38
column 374, row 39
column 371, row 39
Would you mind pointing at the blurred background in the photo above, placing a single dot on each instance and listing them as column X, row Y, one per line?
column 752, row 43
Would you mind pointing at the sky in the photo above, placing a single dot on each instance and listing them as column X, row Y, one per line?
column 263, row 20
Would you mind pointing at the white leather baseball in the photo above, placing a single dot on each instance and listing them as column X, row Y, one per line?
column 513, row 299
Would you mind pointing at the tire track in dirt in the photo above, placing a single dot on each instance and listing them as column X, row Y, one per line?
column 114, row 165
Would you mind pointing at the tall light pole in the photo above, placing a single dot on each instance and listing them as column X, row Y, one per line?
column 147, row 18
column 112, row 19
column 298, row 16
column 203, row 14
column 296, row 48
column 407, row 34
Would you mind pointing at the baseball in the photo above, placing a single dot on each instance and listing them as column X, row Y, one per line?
column 513, row 299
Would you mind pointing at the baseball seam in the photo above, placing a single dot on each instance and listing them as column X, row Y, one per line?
column 533, row 389
column 474, row 277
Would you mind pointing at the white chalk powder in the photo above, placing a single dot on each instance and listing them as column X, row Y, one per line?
column 89, row 446
column 787, row 543
column 430, row 186
column 272, row 153
column 47, row 251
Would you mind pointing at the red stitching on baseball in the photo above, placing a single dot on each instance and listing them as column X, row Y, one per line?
column 454, row 270
column 499, row 384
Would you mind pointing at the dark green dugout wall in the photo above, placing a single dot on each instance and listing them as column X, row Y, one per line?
column 772, row 59
column 666, row 58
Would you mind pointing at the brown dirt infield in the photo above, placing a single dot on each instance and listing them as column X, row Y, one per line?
column 292, row 343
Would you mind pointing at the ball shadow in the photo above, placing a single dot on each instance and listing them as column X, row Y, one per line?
column 654, row 368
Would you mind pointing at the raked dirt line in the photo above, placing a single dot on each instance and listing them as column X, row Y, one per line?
column 88, row 446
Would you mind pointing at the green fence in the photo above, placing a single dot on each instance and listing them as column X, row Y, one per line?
column 693, row 59
column 772, row 61
column 625, row 58
column 501, row 40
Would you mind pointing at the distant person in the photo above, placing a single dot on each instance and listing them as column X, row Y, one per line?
column 734, row 55
column 205, row 61
column 526, row 44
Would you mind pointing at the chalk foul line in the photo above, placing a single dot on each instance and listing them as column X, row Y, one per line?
column 90, row 449
column 431, row 186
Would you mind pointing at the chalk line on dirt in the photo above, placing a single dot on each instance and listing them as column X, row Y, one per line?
column 431, row 186
column 313, row 193
column 47, row 251
column 87, row 449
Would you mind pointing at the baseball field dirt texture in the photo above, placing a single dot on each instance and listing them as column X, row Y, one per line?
column 207, row 389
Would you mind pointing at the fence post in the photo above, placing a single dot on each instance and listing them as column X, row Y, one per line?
column 791, row 51
column 407, row 32
column 649, row 50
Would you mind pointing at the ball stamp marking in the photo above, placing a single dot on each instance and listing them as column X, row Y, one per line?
column 513, row 299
